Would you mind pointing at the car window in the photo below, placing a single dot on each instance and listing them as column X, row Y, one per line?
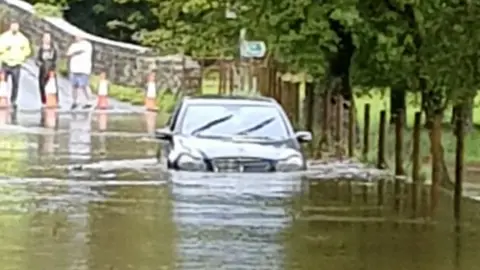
column 252, row 120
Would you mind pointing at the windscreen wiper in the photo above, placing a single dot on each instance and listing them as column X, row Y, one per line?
column 211, row 124
column 256, row 127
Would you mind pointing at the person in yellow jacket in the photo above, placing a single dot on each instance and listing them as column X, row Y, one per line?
column 14, row 51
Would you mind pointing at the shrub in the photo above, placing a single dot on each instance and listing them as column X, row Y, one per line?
column 47, row 10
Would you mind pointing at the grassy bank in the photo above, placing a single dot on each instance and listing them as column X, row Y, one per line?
column 135, row 96
column 379, row 103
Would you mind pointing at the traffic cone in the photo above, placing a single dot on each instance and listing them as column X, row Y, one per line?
column 51, row 91
column 102, row 97
column 102, row 121
column 151, row 94
column 150, row 121
column 4, row 103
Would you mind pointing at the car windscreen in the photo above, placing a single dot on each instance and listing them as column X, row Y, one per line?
column 261, row 121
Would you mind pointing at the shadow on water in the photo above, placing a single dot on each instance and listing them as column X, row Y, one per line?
column 75, row 199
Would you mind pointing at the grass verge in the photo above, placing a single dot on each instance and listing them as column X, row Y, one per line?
column 133, row 95
column 378, row 103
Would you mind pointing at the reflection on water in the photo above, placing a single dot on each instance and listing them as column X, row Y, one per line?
column 76, row 200
column 51, row 227
column 79, row 141
column 227, row 222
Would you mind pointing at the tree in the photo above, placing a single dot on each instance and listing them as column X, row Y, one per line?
column 195, row 27
column 426, row 47
column 118, row 20
column 386, row 56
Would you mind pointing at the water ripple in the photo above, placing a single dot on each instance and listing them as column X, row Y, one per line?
column 229, row 221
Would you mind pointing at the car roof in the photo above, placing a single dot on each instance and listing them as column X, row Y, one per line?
column 221, row 99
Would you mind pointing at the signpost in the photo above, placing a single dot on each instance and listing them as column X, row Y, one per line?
column 249, row 49
column 253, row 49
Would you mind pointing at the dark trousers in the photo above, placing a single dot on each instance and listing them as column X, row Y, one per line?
column 42, row 82
column 14, row 72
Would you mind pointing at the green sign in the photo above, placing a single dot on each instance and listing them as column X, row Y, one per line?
column 253, row 49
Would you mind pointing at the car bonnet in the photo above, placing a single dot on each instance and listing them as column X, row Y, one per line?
column 215, row 148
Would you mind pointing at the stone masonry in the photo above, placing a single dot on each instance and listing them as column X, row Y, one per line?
column 124, row 64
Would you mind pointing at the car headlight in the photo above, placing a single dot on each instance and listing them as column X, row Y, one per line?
column 188, row 162
column 293, row 163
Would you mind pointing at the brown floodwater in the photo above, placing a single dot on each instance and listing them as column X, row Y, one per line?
column 83, row 198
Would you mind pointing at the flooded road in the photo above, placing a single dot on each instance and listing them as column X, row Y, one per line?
column 90, row 195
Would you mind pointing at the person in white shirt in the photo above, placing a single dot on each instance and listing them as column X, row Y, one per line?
column 80, row 54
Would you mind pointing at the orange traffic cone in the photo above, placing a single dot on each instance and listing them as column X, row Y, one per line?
column 4, row 104
column 51, row 91
column 102, row 121
column 102, row 98
column 151, row 94
column 150, row 121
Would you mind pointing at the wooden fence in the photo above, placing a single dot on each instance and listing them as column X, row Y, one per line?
column 420, row 191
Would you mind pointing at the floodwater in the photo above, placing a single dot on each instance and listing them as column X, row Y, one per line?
column 91, row 196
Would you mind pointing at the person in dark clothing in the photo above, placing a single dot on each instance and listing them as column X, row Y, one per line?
column 47, row 62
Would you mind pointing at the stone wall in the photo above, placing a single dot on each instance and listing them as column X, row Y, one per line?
column 124, row 63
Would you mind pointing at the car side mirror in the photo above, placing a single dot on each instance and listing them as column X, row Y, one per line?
column 303, row 136
column 163, row 134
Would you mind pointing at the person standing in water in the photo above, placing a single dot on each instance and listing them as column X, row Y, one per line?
column 80, row 54
column 14, row 51
column 47, row 62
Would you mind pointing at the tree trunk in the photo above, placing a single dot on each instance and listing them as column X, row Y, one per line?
column 339, row 67
column 437, row 159
column 465, row 108
column 308, row 108
column 331, row 85
column 337, row 82
column 397, row 102
column 431, row 105
column 468, row 114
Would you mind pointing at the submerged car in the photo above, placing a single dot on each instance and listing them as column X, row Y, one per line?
column 231, row 134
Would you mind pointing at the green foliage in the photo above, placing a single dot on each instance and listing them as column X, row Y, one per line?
column 48, row 10
column 196, row 27
column 58, row 3
column 298, row 33
column 106, row 18
column 422, row 46
column 113, row 19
